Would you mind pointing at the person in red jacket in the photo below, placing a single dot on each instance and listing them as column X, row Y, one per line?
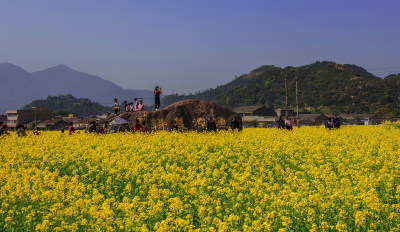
column 71, row 128
column 137, row 126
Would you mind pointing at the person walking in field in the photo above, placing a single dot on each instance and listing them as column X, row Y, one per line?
column 2, row 130
column 174, row 126
column 235, row 123
column 137, row 126
column 211, row 126
column 116, row 107
column 71, row 128
column 144, row 127
column 288, row 123
column 328, row 124
column 336, row 122
column 20, row 131
column 92, row 127
column 157, row 93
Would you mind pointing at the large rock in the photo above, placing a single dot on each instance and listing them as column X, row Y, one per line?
column 189, row 115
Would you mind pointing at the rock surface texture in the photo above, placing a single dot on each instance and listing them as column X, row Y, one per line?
column 188, row 114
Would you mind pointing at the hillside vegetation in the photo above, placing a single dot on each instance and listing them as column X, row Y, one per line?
column 65, row 104
column 324, row 87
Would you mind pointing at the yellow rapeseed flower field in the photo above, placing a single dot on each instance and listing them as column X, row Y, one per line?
column 309, row 179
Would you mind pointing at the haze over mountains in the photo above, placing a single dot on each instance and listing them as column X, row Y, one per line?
column 19, row 87
column 324, row 87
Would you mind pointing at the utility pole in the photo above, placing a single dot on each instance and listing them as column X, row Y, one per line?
column 297, row 103
column 87, row 112
column 286, row 104
column 35, row 109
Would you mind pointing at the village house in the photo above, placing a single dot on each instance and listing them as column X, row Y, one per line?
column 259, row 116
column 15, row 117
column 312, row 119
column 359, row 119
column 53, row 124
column 3, row 119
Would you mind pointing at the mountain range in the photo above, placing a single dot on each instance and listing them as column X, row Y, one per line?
column 19, row 87
column 323, row 87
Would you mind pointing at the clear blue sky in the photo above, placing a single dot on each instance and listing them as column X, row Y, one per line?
column 194, row 45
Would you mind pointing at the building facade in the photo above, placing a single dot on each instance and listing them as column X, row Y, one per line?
column 257, row 116
column 15, row 117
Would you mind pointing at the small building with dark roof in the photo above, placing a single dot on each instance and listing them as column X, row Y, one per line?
column 312, row 119
column 360, row 119
column 53, row 124
column 255, row 111
column 261, row 116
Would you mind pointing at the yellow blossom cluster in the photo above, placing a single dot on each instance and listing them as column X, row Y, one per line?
column 308, row 179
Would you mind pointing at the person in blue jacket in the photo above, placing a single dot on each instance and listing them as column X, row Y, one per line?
column 328, row 124
column 336, row 123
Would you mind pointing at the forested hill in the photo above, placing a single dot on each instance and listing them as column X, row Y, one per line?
column 68, row 104
column 324, row 87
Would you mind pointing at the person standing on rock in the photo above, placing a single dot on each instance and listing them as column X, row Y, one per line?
column 125, row 105
column 157, row 93
column 135, row 108
column 116, row 106
column 140, row 106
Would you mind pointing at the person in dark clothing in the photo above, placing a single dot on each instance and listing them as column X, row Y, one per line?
column 211, row 126
column 116, row 106
column 281, row 123
column 336, row 123
column 20, row 130
column 157, row 93
column 125, row 105
column 235, row 123
column 174, row 126
column 144, row 127
column 328, row 124
column 3, row 128
column 92, row 127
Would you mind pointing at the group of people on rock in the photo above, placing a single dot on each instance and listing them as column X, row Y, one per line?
column 138, row 105
column 132, row 107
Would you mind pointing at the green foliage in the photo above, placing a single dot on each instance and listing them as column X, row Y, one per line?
column 325, row 86
column 384, row 112
column 68, row 104
column 254, row 123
